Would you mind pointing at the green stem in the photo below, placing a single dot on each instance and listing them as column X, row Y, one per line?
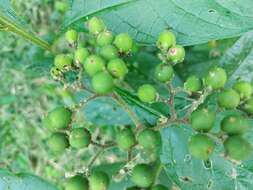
column 11, row 26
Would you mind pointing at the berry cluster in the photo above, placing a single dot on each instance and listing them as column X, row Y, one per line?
column 104, row 60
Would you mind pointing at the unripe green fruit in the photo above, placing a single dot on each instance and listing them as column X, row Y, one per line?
column 164, row 73
column 71, row 36
column 102, row 83
column 193, row 84
column 96, row 25
column 117, row 68
column 166, row 40
column 229, row 99
column 234, row 125
column 77, row 182
column 81, row 55
column 94, row 64
column 216, row 78
column 59, row 118
column 125, row 139
column 99, row 180
column 61, row 6
column 244, row 89
column 143, row 175
column 80, row 138
column 202, row 120
column 123, row 42
column 201, row 146
column 109, row 52
column 58, row 142
column 147, row 93
column 104, row 38
column 61, row 61
column 159, row 187
column 149, row 139
column 176, row 54
column 249, row 106
column 237, row 148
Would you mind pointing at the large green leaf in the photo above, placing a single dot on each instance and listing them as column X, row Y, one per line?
column 193, row 21
column 23, row 182
column 238, row 60
column 191, row 174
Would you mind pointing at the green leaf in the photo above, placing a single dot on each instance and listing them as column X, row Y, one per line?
column 190, row 173
column 194, row 22
column 238, row 59
column 23, row 182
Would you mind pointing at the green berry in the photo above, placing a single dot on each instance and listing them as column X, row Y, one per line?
column 109, row 52
column 228, row 99
column 143, row 175
column 61, row 6
column 176, row 54
column 234, row 124
column 117, row 68
column 193, row 84
column 99, row 180
column 159, row 187
column 58, row 142
column 102, row 83
column 125, row 139
column 237, row 148
column 201, row 146
column 202, row 120
column 216, row 78
column 59, row 118
column 96, row 25
column 104, row 38
column 71, row 36
column 61, row 61
column 244, row 89
column 123, row 42
column 166, row 40
column 163, row 72
column 80, row 138
column 149, row 139
column 77, row 182
column 94, row 64
column 249, row 106
column 81, row 55
column 147, row 93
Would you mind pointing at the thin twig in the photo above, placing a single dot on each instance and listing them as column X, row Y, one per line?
column 104, row 146
column 94, row 158
column 197, row 103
